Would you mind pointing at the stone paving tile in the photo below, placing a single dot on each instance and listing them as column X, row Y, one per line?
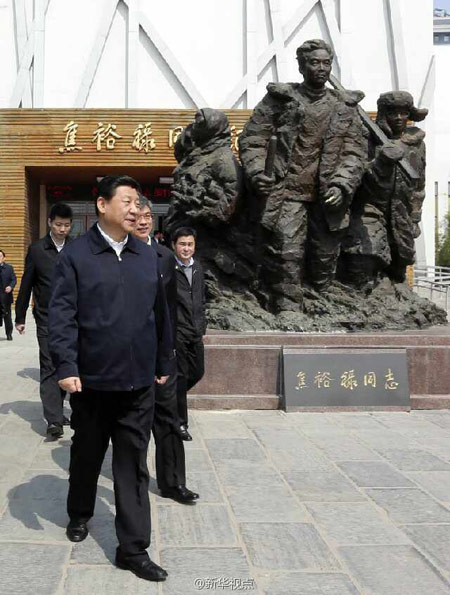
column 204, row 484
column 274, row 504
column 190, row 568
column 410, row 506
column 197, row 459
column 412, row 459
column 248, row 473
column 220, row 425
column 308, row 583
column 393, row 570
column 437, row 483
column 287, row 546
column 199, row 524
column 384, row 438
column 40, row 577
column 439, row 418
column 358, row 523
column 359, row 421
column 105, row 580
column 343, row 448
column 303, row 456
column 434, row 540
column 322, row 486
column 239, row 449
column 374, row 474
column 274, row 437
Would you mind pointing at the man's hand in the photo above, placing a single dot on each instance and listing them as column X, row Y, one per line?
column 161, row 379
column 333, row 197
column 20, row 328
column 263, row 183
column 71, row 384
column 8, row 289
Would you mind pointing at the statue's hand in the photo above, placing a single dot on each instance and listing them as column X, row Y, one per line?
column 334, row 197
column 263, row 183
column 392, row 152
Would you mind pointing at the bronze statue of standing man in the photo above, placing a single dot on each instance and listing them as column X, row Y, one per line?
column 319, row 161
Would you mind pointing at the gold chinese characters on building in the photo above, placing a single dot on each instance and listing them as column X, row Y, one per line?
column 107, row 136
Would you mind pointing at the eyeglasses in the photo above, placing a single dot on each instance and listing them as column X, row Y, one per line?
column 146, row 217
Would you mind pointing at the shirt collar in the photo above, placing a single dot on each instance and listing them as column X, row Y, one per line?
column 116, row 246
column 189, row 264
column 58, row 246
column 113, row 243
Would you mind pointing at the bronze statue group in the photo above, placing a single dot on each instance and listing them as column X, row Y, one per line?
column 317, row 198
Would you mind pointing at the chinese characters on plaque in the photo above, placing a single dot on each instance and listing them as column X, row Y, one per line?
column 106, row 136
column 345, row 378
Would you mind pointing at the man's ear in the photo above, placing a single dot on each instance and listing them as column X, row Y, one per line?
column 101, row 204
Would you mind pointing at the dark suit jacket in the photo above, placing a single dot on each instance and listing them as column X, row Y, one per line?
column 167, row 264
column 108, row 319
column 191, row 301
column 37, row 278
column 8, row 278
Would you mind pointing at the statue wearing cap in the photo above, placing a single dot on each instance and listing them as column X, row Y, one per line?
column 387, row 208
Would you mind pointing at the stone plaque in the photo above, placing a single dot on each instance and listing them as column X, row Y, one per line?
column 345, row 379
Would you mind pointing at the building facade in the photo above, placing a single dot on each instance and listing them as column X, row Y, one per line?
column 106, row 68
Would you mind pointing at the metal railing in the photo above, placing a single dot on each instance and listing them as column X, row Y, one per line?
column 434, row 279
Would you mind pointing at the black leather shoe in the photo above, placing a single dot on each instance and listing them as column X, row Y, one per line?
column 180, row 494
column 66, row 421
column 55, row 431
column 77, row 531
column 185, row 434
column 9, row 337
column 145, row 569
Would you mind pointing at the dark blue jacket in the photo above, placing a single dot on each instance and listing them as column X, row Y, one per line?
column 108, row 319
column 7, row 279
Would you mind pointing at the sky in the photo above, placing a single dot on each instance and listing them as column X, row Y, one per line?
column 442, row 4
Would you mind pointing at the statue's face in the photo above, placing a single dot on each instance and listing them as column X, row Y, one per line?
column 397, row 119
column 199, row 130
column 317, row 68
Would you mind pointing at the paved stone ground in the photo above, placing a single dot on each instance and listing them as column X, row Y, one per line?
column 298, row 504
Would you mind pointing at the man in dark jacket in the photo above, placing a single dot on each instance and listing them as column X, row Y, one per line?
column 37, row 279
column 7, row 283
column 191, row 320
column 110, row 335
column 170, row 458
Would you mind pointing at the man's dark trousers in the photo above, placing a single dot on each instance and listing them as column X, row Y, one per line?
column 170, row 458
column 191, row 368
column 52, row 396
column 6, row 315
column 126, row 418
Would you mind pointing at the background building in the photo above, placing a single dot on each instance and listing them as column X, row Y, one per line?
column 175, row 56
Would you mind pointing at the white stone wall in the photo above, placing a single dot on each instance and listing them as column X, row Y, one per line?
column 217, row 53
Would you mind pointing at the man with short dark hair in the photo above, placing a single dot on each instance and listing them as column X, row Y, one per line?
column 170, row 457
column 191, row 320
column 110, row 335
column 7, row 283
column 37, row 279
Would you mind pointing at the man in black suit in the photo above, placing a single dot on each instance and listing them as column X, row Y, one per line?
column 191, row 320
column 110, row 335
column 7, row 283
column 170, row 458
column 37, row 279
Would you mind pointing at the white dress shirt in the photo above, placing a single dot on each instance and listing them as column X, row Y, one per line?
column 116, row 246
